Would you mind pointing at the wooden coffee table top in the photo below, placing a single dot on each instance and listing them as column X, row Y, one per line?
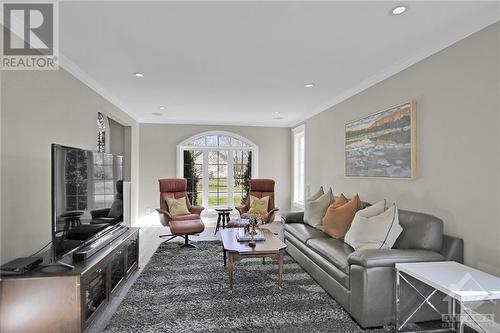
column 231, row 244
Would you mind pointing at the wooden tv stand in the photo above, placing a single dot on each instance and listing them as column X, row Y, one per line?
column 67, row 301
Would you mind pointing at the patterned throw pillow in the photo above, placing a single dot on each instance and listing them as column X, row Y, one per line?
column 178, row 206
column 258, row 206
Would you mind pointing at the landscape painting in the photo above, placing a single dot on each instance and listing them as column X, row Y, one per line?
column 383, row 144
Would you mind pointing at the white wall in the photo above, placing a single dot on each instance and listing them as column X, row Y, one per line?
column 40, row 108
column 458, row 143
column 158, row 144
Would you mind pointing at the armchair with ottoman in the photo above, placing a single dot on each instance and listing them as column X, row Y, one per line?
column 363, row 281
column 180, row 225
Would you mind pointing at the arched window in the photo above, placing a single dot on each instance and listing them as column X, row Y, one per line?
column 218, row 167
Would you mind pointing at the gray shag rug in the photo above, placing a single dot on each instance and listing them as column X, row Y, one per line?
column 187, row 290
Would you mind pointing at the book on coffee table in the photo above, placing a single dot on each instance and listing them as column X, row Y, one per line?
column 245, row 237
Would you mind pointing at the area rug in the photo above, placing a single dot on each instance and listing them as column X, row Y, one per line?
column 187, row 290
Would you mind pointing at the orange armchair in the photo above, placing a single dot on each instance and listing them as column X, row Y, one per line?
column 181, row 225
column 260, row 188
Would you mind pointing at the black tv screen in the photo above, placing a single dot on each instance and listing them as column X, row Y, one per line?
column 87, row 196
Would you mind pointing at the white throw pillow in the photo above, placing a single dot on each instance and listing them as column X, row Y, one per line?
column 373, row 210
column 376, row 232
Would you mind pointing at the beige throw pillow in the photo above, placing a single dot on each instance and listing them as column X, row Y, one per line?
column 177, row 207
column 374, row 232
column 258, row 206
column 315, row 208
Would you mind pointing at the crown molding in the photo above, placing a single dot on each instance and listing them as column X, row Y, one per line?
column 210, row 123
column 86, row 79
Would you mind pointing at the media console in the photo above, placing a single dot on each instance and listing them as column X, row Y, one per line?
column 68, row 301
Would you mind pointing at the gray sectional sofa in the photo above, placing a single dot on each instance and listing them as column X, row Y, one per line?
column 363, row 281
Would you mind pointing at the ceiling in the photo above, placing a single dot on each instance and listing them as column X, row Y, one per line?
column 246, row 63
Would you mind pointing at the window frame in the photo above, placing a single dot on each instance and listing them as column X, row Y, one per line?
column 298, row 165
column 187, row 145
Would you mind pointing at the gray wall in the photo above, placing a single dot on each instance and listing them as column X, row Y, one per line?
column 158, row 151
column 458, row 130
column 120, row 143
column 40, row 108
column 116, row 137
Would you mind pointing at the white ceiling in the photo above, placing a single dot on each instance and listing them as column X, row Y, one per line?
column 240, row 62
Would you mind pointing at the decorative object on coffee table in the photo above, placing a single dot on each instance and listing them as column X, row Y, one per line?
column 222, row 217
column 254, row 221
column 383, row 144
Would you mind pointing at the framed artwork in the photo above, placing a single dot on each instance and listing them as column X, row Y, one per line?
column 383, row 144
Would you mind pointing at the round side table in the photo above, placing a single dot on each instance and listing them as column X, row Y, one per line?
column 223, row 217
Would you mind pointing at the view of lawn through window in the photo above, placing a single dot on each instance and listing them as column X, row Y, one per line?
column 219, row 174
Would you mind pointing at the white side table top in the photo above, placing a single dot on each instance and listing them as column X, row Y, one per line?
column 461, row 282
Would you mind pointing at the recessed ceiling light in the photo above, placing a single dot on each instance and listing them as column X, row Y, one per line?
column 157, row 114
column 276, row 112
column 309, row 85
column 138, row 74
column 161, row 107
column 399, row 10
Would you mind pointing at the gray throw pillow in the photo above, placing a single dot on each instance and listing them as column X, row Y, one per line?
column 315, row 208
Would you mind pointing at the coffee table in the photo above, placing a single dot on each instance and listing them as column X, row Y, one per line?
column 272, row 247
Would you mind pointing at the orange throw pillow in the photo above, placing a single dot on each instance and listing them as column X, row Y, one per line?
column 339, row 216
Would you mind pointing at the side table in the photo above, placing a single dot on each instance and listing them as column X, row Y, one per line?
column 464, row 286
column 223, row 217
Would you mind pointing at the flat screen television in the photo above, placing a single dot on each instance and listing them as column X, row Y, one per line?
column 87, row 197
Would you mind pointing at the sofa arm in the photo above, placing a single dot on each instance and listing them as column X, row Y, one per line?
column 453, row 249
column 196, row 210
column 293, row 217
column 165, row 217
column 242, row 209
column 389, row 257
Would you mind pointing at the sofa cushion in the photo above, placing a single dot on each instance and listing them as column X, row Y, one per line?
column 390, row 257
column 333, row 250
column 304, row 232
column 186, row 217
column 338, row 275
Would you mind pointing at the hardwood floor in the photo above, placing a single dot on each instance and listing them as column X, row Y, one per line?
column 148, row 244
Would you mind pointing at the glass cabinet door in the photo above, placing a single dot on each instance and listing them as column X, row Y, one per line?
column 132, row 254
column 117, row 268
column 95, row 291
